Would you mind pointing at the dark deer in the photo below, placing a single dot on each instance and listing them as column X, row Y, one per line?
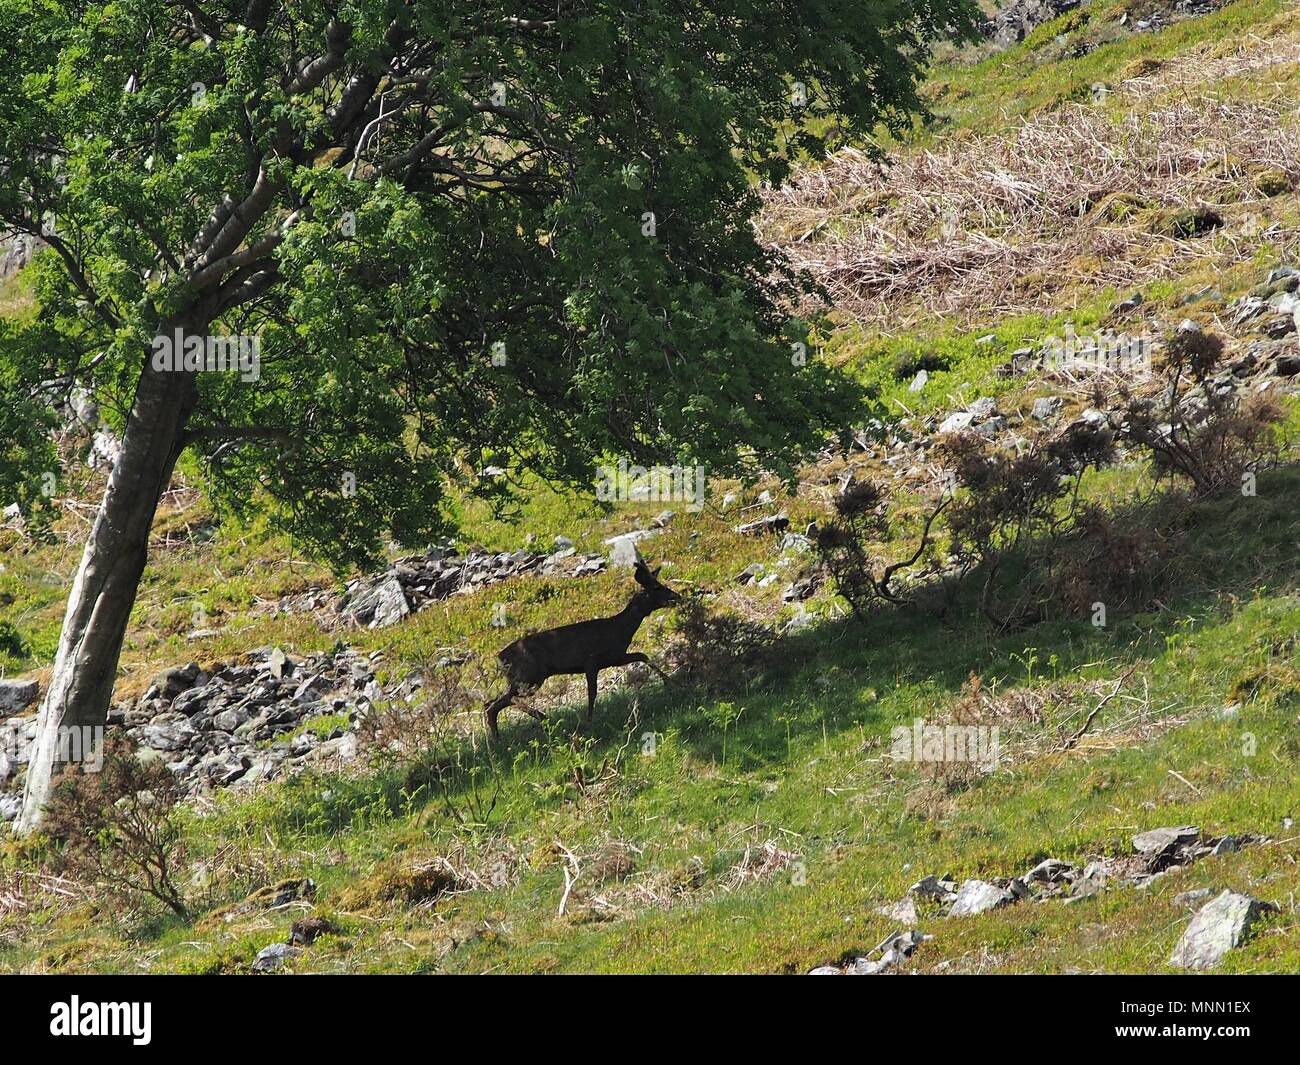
column 585, row 647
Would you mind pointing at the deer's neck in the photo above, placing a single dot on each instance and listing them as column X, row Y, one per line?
column 634, row 613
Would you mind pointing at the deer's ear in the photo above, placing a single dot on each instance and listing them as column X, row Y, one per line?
column 655, row 574
column 643, row 574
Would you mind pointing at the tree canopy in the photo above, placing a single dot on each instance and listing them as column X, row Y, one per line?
column 516, row 233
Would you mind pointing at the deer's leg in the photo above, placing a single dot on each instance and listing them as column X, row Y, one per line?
column 591, row 691
column 494, row 708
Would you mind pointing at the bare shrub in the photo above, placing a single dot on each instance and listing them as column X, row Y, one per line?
column 846, row 548
column 1200, row 427
column 402, row 732
column 118, row 827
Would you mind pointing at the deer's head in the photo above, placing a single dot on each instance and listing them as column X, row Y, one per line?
column 654, row 595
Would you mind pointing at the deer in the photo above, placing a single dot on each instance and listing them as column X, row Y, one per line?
column 583, row 647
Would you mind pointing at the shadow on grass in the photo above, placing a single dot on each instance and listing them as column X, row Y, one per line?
column 829, row 678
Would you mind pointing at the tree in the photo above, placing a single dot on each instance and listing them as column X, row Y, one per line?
column 507, row 232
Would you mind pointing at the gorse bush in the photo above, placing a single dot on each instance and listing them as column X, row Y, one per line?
column 712, row 650
column 1207, row 433
column 845, row 546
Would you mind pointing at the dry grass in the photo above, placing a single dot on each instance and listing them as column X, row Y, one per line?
column 985, row 227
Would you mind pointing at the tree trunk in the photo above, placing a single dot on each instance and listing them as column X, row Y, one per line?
column 103, row 594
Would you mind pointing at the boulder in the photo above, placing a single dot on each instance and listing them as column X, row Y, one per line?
column 16, row 696
column 979, row 896
column 1161, row 842
column 1217, row 928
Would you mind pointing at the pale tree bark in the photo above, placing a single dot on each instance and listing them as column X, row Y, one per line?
column 104, row 592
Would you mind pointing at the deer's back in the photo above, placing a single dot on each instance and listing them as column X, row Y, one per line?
column 572, row 648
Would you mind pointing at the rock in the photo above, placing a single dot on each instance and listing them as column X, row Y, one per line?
column 623, row 552
column 1191, row 898
column 984, row 408
column 802, row 589
column 897, row 948
column 277, row 663
column 1015, row 21
column 16, row 696
column 1050, row 871
column 1160, row 842
column 10, row 806
column 1088, row 885
column 171, row 682
column 1287, row 365
column 105, row 449
column 775, row 523
column 274, row 957
column 1230, row 844
column 919, row 381
column 381, row 605
column 956, row 423
column 979, row 896
column 1045, row 407
column 1217, row 928
column 826, row 970
column 904, row 911
column 934, row 887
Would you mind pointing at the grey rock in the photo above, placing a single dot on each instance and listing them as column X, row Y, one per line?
column 623, row 552
column 826, row 970
column 904, row 911
column 897, row 948
column 274, row 957
column 934, row 887
column 919, row 381
column 979, row 896
column 171, row 682
column 17, row 695
column 1050, row 871
column 1217, row 928
column 11, row 806
column 956, row 423
column 1045, row 407
column 1163, row 841
column 775, row 523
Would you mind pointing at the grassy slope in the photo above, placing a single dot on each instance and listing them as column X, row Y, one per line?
column 794, row 759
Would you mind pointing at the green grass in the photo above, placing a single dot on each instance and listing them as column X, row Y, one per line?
column 793, row 755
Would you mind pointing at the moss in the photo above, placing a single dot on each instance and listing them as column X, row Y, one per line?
column 400, row 882
column 1273, row 182
column 1184, row 224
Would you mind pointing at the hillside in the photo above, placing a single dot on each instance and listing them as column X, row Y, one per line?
column 1125, row 171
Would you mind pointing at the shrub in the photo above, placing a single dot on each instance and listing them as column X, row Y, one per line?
column 1019, row 505
column 118, row 828
column 844, row 546
column 1206, row 433
column 12, row 642
column 712, row 649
